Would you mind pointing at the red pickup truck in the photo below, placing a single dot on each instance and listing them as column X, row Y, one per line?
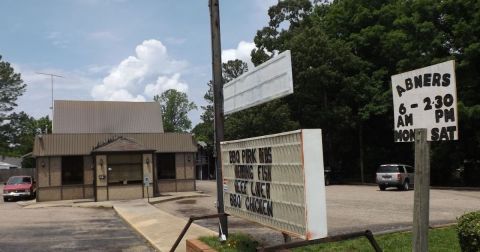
column 19, row 187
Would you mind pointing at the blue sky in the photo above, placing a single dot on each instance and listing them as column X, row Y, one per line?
column 120, row 49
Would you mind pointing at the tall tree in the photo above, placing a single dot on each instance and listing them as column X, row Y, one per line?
column 204, row 130
column 11, row 87
column 18, row 133
column 343, row 55
column 175, row 107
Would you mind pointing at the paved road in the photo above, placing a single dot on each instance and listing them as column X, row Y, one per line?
column 349, row 209
column 65, row 229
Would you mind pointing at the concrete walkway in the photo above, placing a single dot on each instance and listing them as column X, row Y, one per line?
column 159, row 228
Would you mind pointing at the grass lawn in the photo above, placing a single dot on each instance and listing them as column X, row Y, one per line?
column 440, row 239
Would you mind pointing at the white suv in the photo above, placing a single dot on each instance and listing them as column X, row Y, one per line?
column 395, row 175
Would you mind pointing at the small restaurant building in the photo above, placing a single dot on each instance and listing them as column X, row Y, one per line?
column 111, row 151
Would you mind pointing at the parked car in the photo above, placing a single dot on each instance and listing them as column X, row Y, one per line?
column 19, row 187
column 395, row 175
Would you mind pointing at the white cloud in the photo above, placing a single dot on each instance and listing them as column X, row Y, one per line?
column 149, row 71
column 164, row 83
column 242, row 52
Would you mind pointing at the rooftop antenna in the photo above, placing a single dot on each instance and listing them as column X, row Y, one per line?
column 51, row 78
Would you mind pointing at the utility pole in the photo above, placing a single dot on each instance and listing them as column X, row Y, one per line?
column 218, row 107
column 51, row 78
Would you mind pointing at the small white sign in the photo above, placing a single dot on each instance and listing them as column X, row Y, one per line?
column 268, row 81
column 146, row 181
column 426, row 98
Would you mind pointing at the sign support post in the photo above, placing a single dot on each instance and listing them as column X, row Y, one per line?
column 218, row 109
column 422, row 192
column 146, row 183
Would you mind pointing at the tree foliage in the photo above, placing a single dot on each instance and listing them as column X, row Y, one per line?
column 175, row 107
column 18, row 132
column 11, row 87
column 343, row 55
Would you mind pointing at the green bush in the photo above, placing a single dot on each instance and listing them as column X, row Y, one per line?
column 469, row 232
column 236, row 242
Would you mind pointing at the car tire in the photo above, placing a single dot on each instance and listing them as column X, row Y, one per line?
column 327, row 181
column 382, row 188
column 406, row 185
column 5, row 199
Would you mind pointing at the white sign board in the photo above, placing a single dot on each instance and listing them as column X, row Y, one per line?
column 277, row 181
column 426, row 98
column 266, row 82
column 146, row 181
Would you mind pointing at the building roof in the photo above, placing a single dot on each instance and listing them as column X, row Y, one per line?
column 84, row 144
column 71, row 117
column 120, row 144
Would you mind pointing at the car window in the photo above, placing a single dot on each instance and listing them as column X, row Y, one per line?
column 389, row 168
column 27, row 180
column 14, row 180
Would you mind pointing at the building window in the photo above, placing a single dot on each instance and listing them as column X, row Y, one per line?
column 124, row 169
column 72, row 170
column 166, row 166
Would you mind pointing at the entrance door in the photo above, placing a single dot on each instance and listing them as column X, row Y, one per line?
column 125, row 176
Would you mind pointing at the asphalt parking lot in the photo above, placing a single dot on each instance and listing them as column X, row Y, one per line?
column 65, row 229
column 349, row 209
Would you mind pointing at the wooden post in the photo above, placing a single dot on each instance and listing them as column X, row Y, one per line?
column 218, row 108
column 422, row 192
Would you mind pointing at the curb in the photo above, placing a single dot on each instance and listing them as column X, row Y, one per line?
column 173, row 198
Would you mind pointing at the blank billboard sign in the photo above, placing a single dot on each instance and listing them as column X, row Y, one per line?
column 266, row 82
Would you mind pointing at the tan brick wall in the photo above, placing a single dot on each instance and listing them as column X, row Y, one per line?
column 102, row 193
column 55, row 171
column 125, row 192
column 101, row 183
column 88, row 170
column 72, row 192
column 189, row 166
column 185, row 185
column 167, row 186
column 101, row 170
column 89, row 192
column 49, row 194
column 148, row 172
column 180, row 165
column 43, row 174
